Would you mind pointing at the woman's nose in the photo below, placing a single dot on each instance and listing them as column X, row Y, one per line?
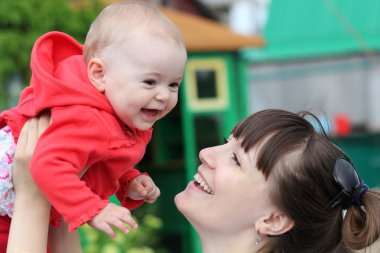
column 208, row 156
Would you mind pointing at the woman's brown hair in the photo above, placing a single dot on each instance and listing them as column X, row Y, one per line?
column 299, row 161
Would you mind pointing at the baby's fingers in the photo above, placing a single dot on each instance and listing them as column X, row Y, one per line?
column 120, row 219
column 127, row 219
column 113, row 216
column 153, row 195
column 121, row 226
column 140, row 189
column 106, row 228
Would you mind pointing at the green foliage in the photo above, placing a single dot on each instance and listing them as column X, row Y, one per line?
column 23, row 21
column 144, row 239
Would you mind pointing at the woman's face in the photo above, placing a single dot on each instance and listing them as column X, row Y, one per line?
column 228, row 194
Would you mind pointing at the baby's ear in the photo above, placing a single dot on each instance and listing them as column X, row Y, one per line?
column 96, row 73
column 276, row 223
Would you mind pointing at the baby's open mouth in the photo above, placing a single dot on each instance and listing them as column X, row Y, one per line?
column 150, row 112
column 201, row 183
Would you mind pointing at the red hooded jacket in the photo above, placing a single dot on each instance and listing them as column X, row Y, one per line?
column 84, row 133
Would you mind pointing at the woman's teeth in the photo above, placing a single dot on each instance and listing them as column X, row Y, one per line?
column 202, row 183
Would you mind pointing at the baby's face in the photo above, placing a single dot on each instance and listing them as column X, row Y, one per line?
column 142, row 78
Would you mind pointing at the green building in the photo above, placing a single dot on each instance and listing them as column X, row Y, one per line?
column 324, row 56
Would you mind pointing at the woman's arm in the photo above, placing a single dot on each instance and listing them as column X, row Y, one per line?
column 29, row 230
column 30, row 223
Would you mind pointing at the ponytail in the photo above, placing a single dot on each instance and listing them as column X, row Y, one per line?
column 361, row 225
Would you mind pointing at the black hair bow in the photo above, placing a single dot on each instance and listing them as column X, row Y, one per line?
column 352, row 187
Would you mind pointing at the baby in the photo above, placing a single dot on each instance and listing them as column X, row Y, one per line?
column 104, row 98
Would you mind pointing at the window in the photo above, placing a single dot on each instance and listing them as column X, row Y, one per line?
column 206, row 84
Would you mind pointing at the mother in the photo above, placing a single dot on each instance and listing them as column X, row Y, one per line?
column 276, row 186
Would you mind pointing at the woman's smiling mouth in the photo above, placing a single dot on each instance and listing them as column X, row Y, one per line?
column 201, row 183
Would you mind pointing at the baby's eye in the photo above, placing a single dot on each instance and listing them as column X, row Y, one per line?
column 174, row 85
column 150, row 81
column 235, row 158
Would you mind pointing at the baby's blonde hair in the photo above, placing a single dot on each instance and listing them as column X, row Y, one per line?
column 119, row 21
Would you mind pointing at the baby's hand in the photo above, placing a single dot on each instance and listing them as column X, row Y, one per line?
column 113, row 215
column 143, row 187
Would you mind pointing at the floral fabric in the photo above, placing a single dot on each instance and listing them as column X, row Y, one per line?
column 7, row 150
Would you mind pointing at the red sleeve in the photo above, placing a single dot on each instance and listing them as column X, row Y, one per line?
column 121, row 194
column 73, row 140
column 129, row 176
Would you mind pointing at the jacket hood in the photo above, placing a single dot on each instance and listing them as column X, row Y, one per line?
column 59, row 77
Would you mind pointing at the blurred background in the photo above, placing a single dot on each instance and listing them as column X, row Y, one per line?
column 244, row 55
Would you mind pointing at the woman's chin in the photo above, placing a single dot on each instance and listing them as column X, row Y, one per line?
column 184, row 206
column 180, row 201
column 185, row 202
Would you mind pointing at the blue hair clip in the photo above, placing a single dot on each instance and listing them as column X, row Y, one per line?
column 352, row 187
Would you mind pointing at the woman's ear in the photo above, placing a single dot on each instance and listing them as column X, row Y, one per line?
column 276, row 223
column 96, row 73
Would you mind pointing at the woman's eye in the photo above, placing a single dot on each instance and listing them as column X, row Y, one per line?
column 235, row 158
column 226, row 140
column 150, row 82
